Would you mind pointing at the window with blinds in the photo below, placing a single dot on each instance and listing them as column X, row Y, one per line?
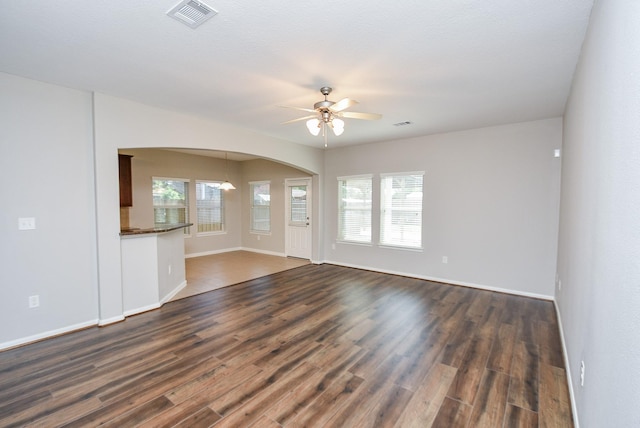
column 354, row 208
column 260, row 206
column 170, row 201
column 401, row 209
column 209, row 207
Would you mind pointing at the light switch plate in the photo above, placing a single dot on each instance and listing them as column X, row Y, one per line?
column 26, row 223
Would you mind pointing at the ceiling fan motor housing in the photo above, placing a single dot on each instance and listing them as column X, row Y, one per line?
column 323, row 105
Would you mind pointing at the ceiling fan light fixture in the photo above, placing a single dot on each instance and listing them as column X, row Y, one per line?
column 337, row 126
column 313, row 125
column 328, row 114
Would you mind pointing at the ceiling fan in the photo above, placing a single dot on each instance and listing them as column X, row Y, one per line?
column 328, row 113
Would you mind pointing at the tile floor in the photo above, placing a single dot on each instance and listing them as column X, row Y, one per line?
column 215, row 271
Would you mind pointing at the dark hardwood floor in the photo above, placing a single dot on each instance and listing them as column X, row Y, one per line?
column 312, row 346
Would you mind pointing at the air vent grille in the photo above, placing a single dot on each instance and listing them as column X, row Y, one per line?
column 192, row 13
column 402, row 123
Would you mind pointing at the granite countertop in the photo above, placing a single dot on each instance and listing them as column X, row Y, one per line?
column 160, row 228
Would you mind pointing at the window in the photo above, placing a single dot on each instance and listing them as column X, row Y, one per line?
column 354, row 209
column 260, row 206
column 401, row 209
column 209, row 207
column 171, row 201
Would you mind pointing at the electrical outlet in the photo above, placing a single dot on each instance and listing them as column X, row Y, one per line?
column 582, row 373
column 169, row 269
column 34, row 301
column 26, row 223
column 333, row 246
column 559, row 284
column 445, row 259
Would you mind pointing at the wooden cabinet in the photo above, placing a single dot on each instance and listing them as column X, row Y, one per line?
column 126, row 193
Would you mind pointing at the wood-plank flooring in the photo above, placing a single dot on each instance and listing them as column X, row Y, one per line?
column 312, row 346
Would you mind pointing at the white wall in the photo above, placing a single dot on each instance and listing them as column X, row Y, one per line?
column 599, row 245
column 490, row 205
column 59, row 152
column 123, row 124
column 46, row 165
column 264, row 170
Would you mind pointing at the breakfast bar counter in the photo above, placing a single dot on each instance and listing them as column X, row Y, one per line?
column 153, row 267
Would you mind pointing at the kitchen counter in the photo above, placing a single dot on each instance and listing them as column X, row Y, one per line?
column 161, row 228
column 153, row 268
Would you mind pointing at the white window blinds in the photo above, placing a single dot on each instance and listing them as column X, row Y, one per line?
column 260, row 206
column 354, row 208
column 401, row 209
column 209, row 207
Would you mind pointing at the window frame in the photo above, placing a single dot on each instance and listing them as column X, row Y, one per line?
column 342, row 231
column 222, row 209
column 185, row 206
column 388, row 218
column 253, row 208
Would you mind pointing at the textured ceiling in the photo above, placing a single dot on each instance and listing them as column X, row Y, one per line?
column 442, row 65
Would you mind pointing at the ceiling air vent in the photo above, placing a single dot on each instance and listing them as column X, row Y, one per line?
column 402, row 123
column 192, row 13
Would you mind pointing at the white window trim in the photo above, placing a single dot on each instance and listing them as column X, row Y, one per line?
column 357, row 177
column 224, row 205
column 187, row 230
column 251, row 230
column 398, row 246
column 402, row 247
column 357, row 243
column 389, row 174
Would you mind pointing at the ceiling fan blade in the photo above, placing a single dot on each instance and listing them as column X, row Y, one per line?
column 356, row 115
column 299, row 108
column 343, row 104
column 301, row 118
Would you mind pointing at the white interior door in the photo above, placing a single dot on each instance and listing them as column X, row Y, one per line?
column 298, row 230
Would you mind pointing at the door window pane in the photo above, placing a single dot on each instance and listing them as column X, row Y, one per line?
column 298, row 204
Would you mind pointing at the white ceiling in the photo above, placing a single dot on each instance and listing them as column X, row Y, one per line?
column 442, row 65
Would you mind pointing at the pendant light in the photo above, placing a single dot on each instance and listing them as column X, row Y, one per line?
column 226, row 185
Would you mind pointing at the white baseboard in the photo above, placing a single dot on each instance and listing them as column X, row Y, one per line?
column 209, row 253
column 141, row 309
column 153, row 306
column 228, row 250
column 567, row 366
column 170, row 296
column 47, row 334
column 447, row 281
column 252, row 250
column 268, row 253
column 111, row 320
